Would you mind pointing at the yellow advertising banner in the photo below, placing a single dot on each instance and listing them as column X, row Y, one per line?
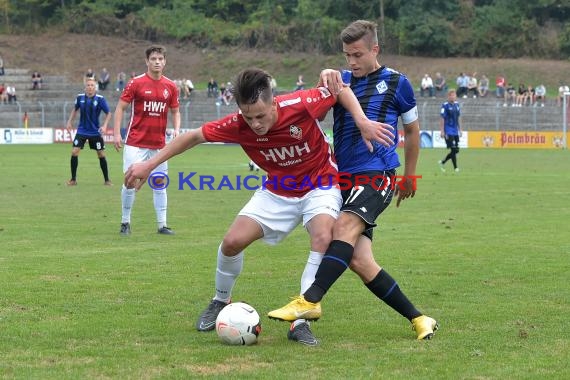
column 517, row 140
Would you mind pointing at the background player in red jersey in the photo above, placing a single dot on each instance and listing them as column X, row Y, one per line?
column 151, row 96
column 282, row 135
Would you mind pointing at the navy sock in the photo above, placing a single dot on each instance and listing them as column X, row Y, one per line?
column 104, row 168
column 335, row 261
column 386, row 288
column 74, row 165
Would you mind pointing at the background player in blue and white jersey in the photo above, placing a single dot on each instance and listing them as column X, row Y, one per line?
column 450, row 128
column 385, row 95
column 89, row 105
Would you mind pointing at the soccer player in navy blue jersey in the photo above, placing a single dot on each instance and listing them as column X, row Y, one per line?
column 89, row 105
column 450, row 129
column 385, row 96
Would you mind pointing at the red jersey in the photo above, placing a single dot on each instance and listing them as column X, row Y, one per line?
column 294, row 152
column 150, row 101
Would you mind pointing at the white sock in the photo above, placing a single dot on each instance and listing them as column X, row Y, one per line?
column 227, row 271
column 127, row 200
column 160, row 203
column 310, row 271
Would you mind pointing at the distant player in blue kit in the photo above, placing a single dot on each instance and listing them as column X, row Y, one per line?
column 89, row 105
column 385, row 95
column 450, row 128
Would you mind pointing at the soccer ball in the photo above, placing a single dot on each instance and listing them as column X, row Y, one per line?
column 238, row 324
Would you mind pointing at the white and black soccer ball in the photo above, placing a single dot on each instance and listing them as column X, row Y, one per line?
column 238, row 324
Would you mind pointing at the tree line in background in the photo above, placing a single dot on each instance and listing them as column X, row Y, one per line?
column 432, row 28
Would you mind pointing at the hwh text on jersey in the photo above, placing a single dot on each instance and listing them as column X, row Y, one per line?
column 285, row 153
column 154, row 108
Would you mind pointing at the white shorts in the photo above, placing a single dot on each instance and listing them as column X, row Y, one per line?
column 133, row 154
column 278, row 215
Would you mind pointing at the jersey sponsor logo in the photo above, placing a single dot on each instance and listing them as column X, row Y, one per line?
column 154, row 108
column 296, row 132
column 286, row 153
column 381, row 87
column 262, row 139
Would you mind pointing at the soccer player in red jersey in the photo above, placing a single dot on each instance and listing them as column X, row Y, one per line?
column 151, row 96
column 282, row 135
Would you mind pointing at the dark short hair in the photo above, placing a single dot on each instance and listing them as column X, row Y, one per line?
column 155, row 49
column 360, row 29
column 252, row 85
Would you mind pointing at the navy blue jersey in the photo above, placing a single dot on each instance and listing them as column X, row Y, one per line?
column 450, row 113
column 90, row 109
column 384, row 96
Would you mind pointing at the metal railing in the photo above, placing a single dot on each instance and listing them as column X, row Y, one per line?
column 476, row 115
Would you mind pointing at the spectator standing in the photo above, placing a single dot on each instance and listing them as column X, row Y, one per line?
column 426, row 87
column 90, row 105
column 540, row 94
column 36, row 81
column 440, row 84
column 151, row 96
column 483, row 86
column 104, row 79
column 212, row 88
column 1, row 66
column 121, row 78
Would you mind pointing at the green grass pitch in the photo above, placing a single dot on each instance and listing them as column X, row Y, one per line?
column 485, row 251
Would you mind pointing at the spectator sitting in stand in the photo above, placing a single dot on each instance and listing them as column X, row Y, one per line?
column 187, row 87
column 11, row 93
column 104, row 79
column 483, row 86
column 500, row 83
column 427, row 86
column 472, row 87
column 521, row 95
column 212, row 88
column 300, row 85
column 540, row 94
column 227, row 95
column 440, row 85
column 462, row 82
column 88, row 75
column 510, row 95
column 36, row 81
column 3, row 94
column 561, row 90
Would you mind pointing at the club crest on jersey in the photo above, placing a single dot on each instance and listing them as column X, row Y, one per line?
column 165, row 93
column 325, row 93
column 381, row 87
column 296, row 132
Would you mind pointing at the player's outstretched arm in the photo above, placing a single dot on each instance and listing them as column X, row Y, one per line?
column 136, row 175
